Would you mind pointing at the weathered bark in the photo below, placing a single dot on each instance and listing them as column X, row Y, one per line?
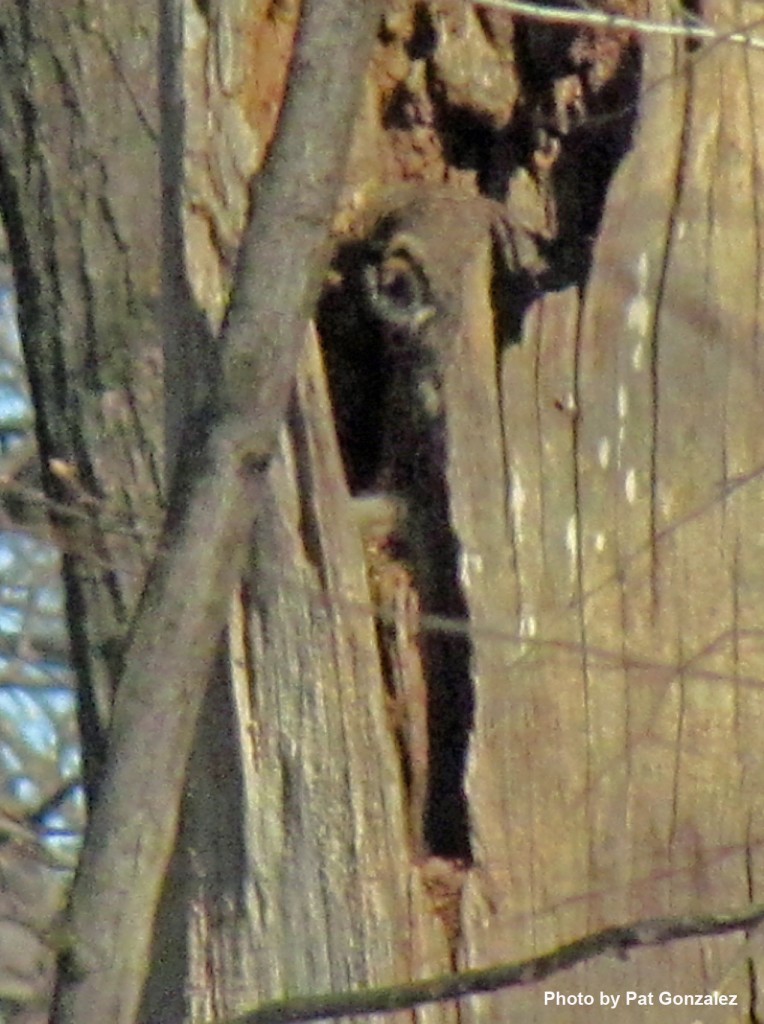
column 584, row 501
column 313, row 882
column 79, row 133
column 215, row 498
column 625, row 719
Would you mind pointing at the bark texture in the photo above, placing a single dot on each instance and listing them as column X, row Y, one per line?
column 546, row 388
column 80, row 200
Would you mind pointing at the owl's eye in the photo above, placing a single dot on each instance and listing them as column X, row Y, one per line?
column 397, row 291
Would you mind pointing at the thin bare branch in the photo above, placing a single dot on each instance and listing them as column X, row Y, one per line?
column 612, row 941
column 603, row 19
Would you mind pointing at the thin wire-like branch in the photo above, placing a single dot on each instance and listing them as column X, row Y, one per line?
column 603, row 19
column 494, row 633
column 614, row 941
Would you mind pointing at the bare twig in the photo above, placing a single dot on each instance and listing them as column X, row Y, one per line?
column 613, row 941
column 603, row 19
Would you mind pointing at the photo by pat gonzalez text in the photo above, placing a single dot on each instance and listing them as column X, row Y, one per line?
column 629, row 998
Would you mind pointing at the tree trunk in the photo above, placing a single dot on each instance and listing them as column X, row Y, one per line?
column 492, row 675
column 627, row 720
column 80, row 200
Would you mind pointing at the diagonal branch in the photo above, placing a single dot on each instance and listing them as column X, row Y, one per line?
column 614, row 941
column 205, row 538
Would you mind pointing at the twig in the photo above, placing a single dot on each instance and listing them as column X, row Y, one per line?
column 603, row 19
column 614, row 941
